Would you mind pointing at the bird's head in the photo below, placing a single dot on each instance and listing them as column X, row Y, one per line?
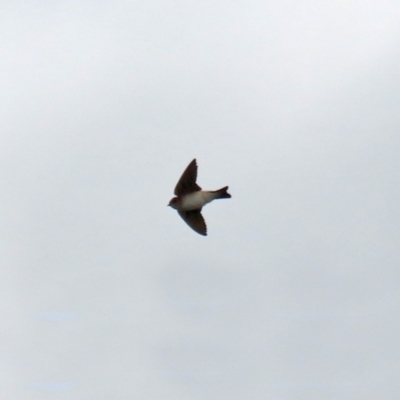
column 173, row 203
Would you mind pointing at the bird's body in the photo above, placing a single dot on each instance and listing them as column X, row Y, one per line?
column 195, row 200
column 191, row 199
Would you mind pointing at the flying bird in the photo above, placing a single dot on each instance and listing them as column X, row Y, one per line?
column 190, row 199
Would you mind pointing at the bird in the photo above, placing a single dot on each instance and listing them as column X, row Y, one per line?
column 190, row 198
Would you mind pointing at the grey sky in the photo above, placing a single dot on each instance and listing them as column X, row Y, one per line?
column 106, row 293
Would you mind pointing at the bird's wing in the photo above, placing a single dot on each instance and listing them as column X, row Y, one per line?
column 187, row 182
column 195, row 220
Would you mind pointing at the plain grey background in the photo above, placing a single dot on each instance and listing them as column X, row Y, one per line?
column 106, row 293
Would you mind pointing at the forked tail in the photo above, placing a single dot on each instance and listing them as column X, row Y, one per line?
column 222, row 193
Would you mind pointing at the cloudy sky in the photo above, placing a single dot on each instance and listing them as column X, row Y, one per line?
column 105, row 293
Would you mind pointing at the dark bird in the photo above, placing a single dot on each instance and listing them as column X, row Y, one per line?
column 190, row 199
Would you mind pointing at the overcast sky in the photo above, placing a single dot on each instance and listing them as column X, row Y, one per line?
column 105, row 293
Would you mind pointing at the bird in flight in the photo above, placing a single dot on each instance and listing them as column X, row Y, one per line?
column 190, row 199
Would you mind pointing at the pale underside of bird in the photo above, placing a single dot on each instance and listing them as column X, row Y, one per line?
column 190, row 199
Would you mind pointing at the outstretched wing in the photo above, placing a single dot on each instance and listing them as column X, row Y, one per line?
column 187, row 182
column 195, row 220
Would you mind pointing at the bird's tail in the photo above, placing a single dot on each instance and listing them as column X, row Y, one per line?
column 222, row 193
